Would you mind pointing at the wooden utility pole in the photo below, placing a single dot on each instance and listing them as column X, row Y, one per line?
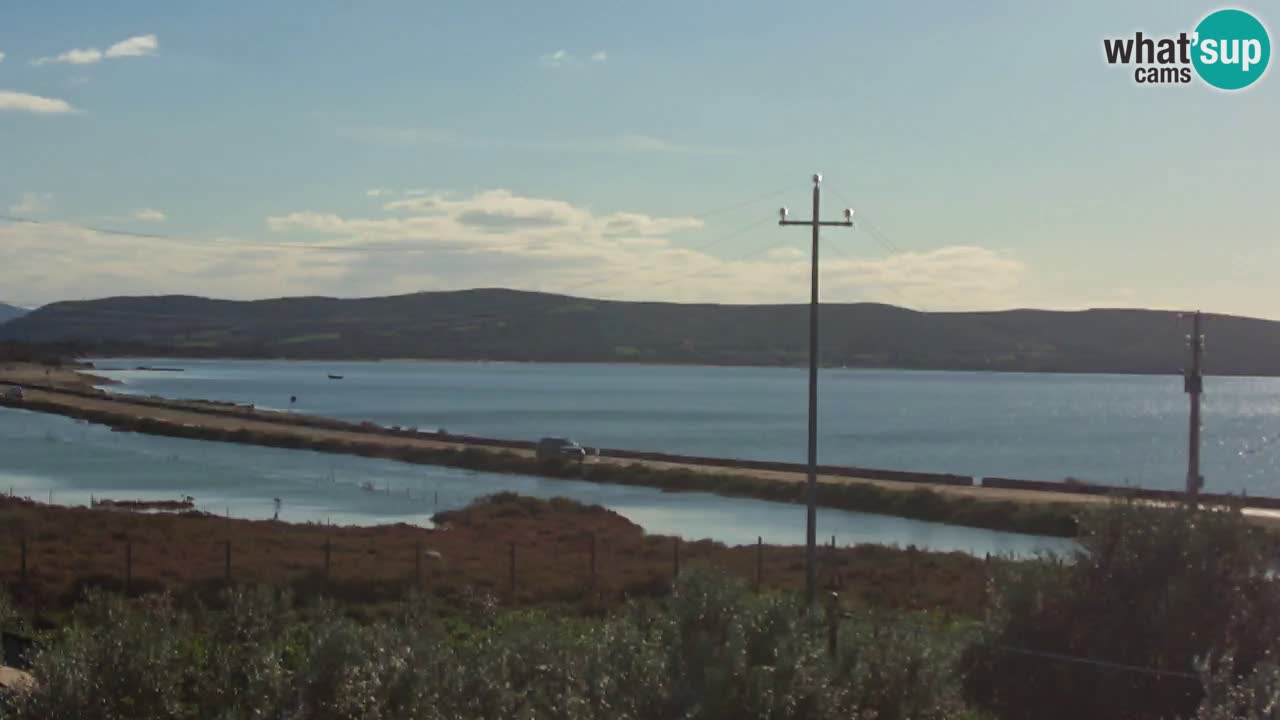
column 1194, row 385
column 811, row 490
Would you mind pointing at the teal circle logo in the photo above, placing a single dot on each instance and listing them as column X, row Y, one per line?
column 1231, row 49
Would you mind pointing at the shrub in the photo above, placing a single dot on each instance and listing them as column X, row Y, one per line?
column 1255, row 696
column 111, row 662
column 1148, row 594
column 709, row 651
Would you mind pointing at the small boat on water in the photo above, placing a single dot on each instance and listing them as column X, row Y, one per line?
column 334, row 377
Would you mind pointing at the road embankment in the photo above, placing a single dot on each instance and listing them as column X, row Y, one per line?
column 1005, row 504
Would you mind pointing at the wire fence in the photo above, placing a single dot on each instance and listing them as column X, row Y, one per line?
column 421, row 567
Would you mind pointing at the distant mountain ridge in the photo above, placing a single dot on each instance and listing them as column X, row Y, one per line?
column 9, row 312
column 495, row 324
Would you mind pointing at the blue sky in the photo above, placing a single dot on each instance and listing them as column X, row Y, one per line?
column 358, row 149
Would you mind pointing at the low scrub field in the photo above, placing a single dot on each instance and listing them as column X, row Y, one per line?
column 549, row 542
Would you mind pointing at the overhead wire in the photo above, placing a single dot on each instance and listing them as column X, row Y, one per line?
column 476, row 313
column 926, row 628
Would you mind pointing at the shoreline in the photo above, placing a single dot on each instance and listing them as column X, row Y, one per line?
column 622, row 363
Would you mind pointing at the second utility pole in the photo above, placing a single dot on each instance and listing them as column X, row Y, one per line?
column 1194, row 385
column 811, row 490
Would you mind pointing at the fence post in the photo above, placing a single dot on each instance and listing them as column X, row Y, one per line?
column 417, row 563
column 22, row 545
column 328, row 550
column 512, row 571
column 227, row 563
column 128, row 566
column 832, row 624
column 675, row 559
column 759, row 562
column 593, row 560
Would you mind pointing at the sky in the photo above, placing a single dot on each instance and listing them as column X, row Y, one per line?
column 629, row 150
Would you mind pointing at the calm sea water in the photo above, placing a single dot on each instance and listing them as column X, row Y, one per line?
column 49, row 457
column 1105, row 428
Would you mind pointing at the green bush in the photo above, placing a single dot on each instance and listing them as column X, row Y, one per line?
column 114, row 661
column 709, row 650
column 1149, row 594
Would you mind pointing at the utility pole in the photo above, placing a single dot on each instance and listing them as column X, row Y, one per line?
column 811, row 490
column 1193, row 384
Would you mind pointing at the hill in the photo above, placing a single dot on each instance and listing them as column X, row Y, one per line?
column 526, row 326
column 9, row 312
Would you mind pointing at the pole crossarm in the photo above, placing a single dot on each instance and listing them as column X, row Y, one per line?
column 811, row 486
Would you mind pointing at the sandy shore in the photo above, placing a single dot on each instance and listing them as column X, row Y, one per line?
column 67, row 377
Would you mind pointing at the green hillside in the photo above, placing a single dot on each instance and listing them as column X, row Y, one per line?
column 513, row 325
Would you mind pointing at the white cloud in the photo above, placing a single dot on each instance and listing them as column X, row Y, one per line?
column 30, row 203
column 87, row 56
column 2, row 56
column 625, row 143
column 50, row 262
column 377, row 192
column 137, row 46
column 496, row 238
column 559, row 58
column 22, row 102
column 149, row 215
column 565, row 59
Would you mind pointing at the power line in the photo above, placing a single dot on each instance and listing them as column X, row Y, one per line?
column 1061, row 657
column 482, row 313
column 867, row 225
column 703, row 247
column 116, row 232
column 902, row 300
column 740, row 205
column 928, row 628
column 218, row 244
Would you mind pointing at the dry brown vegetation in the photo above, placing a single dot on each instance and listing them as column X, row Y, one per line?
column 469, row 555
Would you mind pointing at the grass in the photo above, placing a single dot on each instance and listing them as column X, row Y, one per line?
column 1161, row 613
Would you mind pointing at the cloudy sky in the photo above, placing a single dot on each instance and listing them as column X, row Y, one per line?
column 627, row 150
